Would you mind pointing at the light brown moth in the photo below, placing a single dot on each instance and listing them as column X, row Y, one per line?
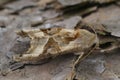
column 52, row 42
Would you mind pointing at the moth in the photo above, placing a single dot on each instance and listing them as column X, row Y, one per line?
column 55, row 41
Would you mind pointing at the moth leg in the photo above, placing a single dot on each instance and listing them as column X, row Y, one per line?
column 112, row 47
column 16, row 66
column 72, row 74
column 78, row 59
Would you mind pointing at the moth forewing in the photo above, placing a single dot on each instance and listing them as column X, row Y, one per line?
column 64, row 41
